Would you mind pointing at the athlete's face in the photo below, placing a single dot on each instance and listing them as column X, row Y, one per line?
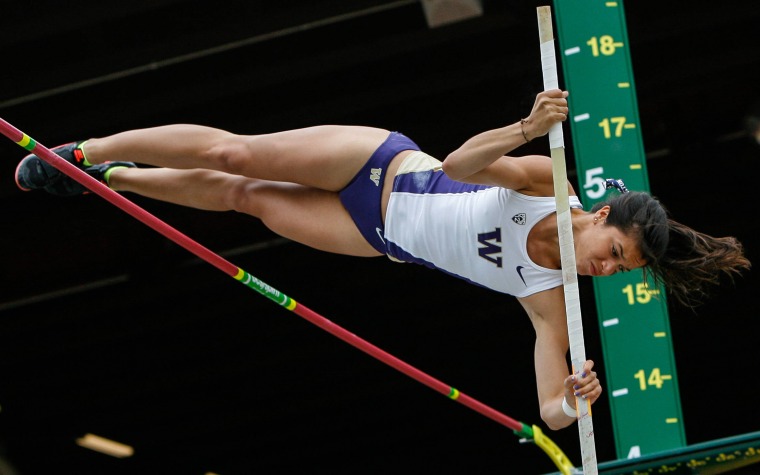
column 605, row 250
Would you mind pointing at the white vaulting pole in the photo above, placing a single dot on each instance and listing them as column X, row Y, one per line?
column 566, row 244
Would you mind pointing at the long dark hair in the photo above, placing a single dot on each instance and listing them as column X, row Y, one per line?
column 689, row 263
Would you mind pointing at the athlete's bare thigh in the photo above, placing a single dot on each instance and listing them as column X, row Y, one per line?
column 326, row 157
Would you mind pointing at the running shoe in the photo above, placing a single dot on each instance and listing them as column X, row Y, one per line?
column 33, row 173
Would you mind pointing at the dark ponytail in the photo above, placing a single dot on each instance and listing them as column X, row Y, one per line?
column 687, row 262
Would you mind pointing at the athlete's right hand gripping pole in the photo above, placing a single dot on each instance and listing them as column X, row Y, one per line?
column 566, row 245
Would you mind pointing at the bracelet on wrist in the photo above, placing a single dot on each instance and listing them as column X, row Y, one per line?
column 522, row 129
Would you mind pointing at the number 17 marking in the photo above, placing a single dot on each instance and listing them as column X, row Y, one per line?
column 618, row 122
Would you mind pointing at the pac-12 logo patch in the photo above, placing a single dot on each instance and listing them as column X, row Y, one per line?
column 519, row 218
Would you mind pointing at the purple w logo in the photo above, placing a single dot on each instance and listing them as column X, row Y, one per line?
column 489, row 248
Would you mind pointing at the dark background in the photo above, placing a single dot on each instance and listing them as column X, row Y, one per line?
column 108, row 327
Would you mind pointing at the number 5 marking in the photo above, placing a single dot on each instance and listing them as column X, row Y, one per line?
column 595, row 185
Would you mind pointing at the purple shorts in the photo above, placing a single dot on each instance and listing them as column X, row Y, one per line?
column 363, row 195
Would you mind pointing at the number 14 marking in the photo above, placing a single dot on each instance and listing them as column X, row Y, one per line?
column 655, row 379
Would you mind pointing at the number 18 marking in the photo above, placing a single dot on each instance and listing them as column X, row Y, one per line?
column 605, row 45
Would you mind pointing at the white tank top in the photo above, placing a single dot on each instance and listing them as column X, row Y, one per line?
column 474, row 232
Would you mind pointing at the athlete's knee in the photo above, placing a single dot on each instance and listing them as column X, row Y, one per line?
column 250, row 196
column 230, row 153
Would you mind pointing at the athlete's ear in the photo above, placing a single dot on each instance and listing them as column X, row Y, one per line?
column 602, row 213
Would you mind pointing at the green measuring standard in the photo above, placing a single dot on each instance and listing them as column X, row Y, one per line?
column 641, row 380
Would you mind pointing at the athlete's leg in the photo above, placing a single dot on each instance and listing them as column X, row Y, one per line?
column 325, row 157
column 307, row 215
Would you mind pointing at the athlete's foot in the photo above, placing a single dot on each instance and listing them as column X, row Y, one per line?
column 33, row 173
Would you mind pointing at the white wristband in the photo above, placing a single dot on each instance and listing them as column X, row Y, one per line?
column 568, row 409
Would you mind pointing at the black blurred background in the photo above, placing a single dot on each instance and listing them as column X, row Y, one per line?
column 107, row 327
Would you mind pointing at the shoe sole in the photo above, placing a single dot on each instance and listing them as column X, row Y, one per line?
column 18, row 167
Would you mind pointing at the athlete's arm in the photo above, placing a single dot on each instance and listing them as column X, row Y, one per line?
column 529, row 174
column 553, row 378
column 481, row 159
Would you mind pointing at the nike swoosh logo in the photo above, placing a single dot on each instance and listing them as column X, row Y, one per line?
column 380, row 233
column 519, row 272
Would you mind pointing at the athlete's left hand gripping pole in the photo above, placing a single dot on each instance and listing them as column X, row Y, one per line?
column 566, row 243
column 519, row 428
